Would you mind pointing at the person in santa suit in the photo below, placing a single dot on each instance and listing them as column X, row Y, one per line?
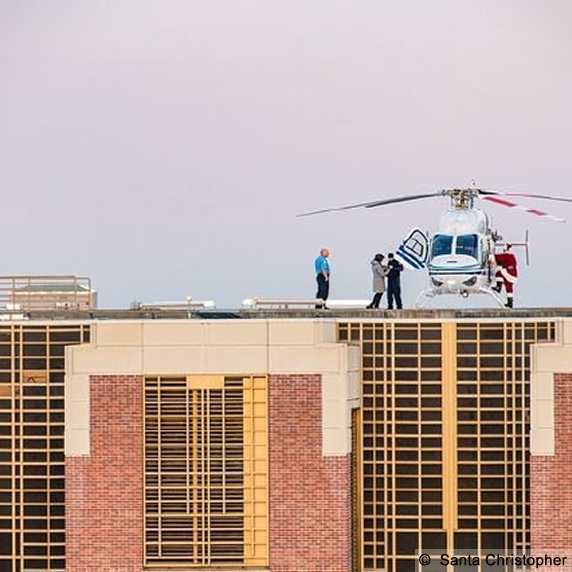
column 507, row 273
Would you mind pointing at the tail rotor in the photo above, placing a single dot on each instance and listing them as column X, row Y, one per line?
column 525, row 244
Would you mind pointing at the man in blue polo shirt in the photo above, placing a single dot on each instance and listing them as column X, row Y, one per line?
column 322, row 267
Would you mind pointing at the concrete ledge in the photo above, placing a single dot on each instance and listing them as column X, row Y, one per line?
column 77, row 415
column 547, row 360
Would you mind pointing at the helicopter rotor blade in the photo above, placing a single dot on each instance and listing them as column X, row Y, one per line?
column 497, row 200
column 527, row 195
column 379, row 203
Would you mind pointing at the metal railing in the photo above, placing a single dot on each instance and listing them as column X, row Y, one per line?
column 188, row 304
column 37, row 293
column 283, row 304
column 300, row 304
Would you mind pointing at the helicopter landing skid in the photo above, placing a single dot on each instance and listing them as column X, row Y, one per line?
column 424, row 297
column 430, row 293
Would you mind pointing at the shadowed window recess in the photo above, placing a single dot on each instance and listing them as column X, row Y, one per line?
column 443, row 453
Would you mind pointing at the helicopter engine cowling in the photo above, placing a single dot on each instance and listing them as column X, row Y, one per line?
column 454, row 221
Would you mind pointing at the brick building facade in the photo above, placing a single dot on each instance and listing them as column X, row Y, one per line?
column 551, row 477
column 104, row 492
column 551, row 448
column 284, row 445
column 310, row 495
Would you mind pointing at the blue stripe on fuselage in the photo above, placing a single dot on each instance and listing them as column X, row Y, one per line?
column 433, row 271
column 418, row 265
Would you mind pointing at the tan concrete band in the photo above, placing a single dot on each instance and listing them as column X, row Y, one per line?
column 547, row 360
column 225, row 347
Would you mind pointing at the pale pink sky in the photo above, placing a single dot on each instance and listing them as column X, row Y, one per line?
column 164, row 147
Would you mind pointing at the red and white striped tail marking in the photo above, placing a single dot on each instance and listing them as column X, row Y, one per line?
column 506, row 203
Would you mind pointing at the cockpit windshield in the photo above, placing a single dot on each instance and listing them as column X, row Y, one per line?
column 467, row 244
column 442, row 245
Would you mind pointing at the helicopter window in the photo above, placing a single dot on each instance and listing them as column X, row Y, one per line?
column 442, row 244
column 467, row 244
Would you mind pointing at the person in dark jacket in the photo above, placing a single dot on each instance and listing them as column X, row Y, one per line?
column 379, row 272
column 394, row 282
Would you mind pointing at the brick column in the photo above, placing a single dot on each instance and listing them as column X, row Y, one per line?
column 310, row 495
column 104, row 492
column 551, row 483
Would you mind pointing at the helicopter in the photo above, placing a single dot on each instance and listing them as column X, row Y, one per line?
column 460, row 256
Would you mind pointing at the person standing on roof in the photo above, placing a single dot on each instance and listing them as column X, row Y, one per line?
column 507, row 273
column 379, row 272
column 322, row 268
column 394, row 282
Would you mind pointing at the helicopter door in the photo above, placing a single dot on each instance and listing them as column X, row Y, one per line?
column 414, row 250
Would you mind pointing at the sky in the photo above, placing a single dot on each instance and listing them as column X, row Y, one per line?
column 164, row 147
